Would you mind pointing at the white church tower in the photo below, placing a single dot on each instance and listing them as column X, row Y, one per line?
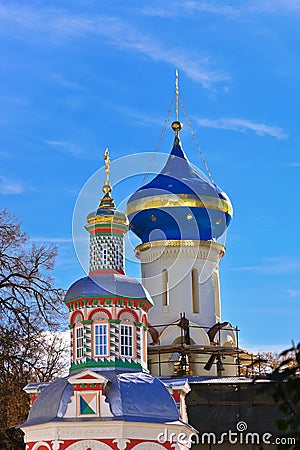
column 180, row 217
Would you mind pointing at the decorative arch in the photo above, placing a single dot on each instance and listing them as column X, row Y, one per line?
column 41, row 446
column 149, row 446
column 77, row 343
column 76, row 317
column 227, row 336
column 128, row 310
column 89, row 444
column 172, row 332
column 145, row 320
column 126, row 316
column 178, row 341
column 104, row 311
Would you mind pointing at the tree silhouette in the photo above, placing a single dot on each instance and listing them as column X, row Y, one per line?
column 31, row 348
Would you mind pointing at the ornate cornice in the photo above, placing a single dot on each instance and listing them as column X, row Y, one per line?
column 208, row 250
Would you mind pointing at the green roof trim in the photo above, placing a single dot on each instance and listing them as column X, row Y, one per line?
column 95, row 299
column 118, row 363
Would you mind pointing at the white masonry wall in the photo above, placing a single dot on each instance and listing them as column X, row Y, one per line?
column 179, row 262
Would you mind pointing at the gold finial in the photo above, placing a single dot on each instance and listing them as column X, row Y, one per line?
column 107, row 164
column 107, row 201
column 176, row 126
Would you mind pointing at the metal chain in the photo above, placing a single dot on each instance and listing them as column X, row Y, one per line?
column 196, row 141
column 162, row 134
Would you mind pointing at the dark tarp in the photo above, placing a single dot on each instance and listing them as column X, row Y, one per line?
column 218, row 407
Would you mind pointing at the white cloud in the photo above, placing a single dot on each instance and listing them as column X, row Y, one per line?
column 272, row 266
column 51, row 239
column 60, row 240
column 243, row 125
column 139, row 117
column 292, row 293
column 65, row 83
column 57, row 24
column 273, row 6
column 265, row 348
column 10, row 187
column 6, row 154
column 65, row 146
column 182, row 8
column 123, row 35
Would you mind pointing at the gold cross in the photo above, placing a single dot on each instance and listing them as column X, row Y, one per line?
column 107, row 163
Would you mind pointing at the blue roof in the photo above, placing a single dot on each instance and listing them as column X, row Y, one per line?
column 51, row 403
column 179, row 180
column 141, row 397
column 107, row 284
column 133, row 397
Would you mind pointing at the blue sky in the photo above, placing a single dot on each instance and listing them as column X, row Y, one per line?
column 76, row 77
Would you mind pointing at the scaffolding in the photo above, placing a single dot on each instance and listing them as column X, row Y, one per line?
column 181, row 354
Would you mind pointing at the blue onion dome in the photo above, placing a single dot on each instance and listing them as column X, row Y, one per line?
column 179, row 203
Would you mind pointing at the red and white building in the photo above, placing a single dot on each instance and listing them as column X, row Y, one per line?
column 109, row 400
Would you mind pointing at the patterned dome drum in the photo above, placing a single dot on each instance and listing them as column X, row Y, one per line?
column 179, row 204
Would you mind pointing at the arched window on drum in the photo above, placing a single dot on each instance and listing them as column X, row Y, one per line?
column 100, row 326
column 127, row 334
column 78, row 336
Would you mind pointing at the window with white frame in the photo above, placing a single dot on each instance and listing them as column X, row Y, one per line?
column 118, row 255
column 100, row 339
column 195, row 291
column 165, row 288
column 79, row 342
column 142, row 343
column 104, row 254
column 126, row 338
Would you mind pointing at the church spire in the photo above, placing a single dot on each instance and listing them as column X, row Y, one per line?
column 107, row 227
column 177, row 94
column 107, row 201
column 176, row 125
